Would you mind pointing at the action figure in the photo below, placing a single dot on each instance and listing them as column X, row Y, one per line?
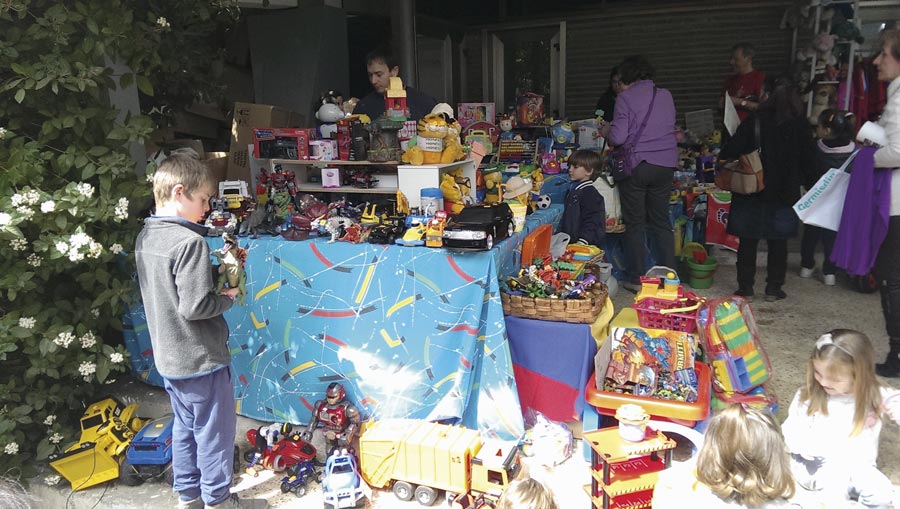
column 339, row 417
column 232, row 258
column 266, row 436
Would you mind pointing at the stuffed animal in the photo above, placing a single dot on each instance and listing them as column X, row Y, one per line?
column 820, row 47
column 413, row 154
column 493, row 178
column 456, row 190
column 328, row 114
column 506, row 124
column 823, row 98
column 431, row 133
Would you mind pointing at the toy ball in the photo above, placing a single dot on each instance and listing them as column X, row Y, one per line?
column 543, row 201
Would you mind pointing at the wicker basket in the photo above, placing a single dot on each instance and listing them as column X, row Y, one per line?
column 557, row 310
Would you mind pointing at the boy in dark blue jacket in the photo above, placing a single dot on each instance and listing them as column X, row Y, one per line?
column 584, row 218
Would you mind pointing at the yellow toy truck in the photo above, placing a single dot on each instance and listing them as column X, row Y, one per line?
column 426, row 459
column 107, row 428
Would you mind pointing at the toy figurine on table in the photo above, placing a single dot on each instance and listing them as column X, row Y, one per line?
column 231, row 267
column 339, row 418
column 281, row 196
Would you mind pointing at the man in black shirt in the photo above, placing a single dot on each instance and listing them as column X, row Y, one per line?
column 382, row 67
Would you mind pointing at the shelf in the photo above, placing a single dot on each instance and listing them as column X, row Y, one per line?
column 323, row 164
column 317, row 188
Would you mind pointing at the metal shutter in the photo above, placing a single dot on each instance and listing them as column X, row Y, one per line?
column 689, row 45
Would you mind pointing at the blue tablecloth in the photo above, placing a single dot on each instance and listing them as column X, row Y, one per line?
column 410, row 331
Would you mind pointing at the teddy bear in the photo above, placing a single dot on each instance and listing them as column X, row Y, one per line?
column 820, row 47
column 823, row 98
column 413, row 154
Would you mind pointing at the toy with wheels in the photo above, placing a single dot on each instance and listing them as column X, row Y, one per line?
column 150, row 454
column 284, row 453
column 107, row 428
column 342, row 485
column 298, row 477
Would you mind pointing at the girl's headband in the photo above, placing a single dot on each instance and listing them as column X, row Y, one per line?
column 828, row 340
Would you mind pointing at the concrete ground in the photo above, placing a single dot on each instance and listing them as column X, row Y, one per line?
column 788, row 329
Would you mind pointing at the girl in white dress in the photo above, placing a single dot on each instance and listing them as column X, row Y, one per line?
column 834, row 422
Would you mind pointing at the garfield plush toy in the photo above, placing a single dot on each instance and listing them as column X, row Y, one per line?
column 413, row 154
column 431, row 133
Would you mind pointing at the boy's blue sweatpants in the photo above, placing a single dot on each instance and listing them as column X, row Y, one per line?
column 203, row 435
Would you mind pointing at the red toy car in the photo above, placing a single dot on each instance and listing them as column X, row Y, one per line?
column 285, row 453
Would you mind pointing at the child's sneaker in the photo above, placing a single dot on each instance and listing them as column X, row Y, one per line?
column 807, row 272
column 196, row 503
column 233, row 502
column 828, row 279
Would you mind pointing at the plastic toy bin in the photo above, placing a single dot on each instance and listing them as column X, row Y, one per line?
column 681, row 412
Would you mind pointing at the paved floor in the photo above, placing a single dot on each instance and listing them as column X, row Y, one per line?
column 788, row 329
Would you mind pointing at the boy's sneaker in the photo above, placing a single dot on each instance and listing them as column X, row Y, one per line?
column 805, row 272
column 196, row 503
column 829, row 279
column 233, row 502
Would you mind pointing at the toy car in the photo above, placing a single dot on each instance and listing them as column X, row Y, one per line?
column 234, row 192
column 388, row 231
column 298, row 477
column 342, row 485
column 286, row 452
column 414, row 236
column 478, row 227
column 150, row 454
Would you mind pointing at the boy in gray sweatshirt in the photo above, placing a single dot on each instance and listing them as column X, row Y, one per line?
column 189, row 334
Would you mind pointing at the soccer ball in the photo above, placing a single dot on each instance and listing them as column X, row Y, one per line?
column 543, row 201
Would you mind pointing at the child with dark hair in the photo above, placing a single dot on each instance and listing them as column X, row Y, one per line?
column 835, row 131
column 584, row 218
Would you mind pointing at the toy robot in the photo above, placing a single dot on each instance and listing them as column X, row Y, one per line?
column 339, row 417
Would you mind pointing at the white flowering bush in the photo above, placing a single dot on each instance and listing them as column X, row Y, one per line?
column 69, row 193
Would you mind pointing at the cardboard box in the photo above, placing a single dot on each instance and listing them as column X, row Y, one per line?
column 218, row 165
column 282, row 143
column 246, row 117
column 469, row 113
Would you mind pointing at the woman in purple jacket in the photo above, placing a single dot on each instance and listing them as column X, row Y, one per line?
column 645, row 195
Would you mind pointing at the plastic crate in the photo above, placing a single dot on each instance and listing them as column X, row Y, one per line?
column 680, row 412
column 679, row 315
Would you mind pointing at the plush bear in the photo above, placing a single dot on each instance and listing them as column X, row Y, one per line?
column 820, row 47
column 413, row 154
column 823, row 98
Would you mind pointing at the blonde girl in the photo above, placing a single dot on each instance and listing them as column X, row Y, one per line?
column 834, row 421
column 743, row 463
column 527, row 494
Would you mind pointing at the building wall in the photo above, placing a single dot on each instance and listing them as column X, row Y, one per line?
column 688, row 42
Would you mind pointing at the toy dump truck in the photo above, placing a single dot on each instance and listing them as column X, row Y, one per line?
column 428, row 460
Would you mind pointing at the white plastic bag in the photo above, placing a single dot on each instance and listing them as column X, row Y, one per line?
column 823, row 204
column 613, row 203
